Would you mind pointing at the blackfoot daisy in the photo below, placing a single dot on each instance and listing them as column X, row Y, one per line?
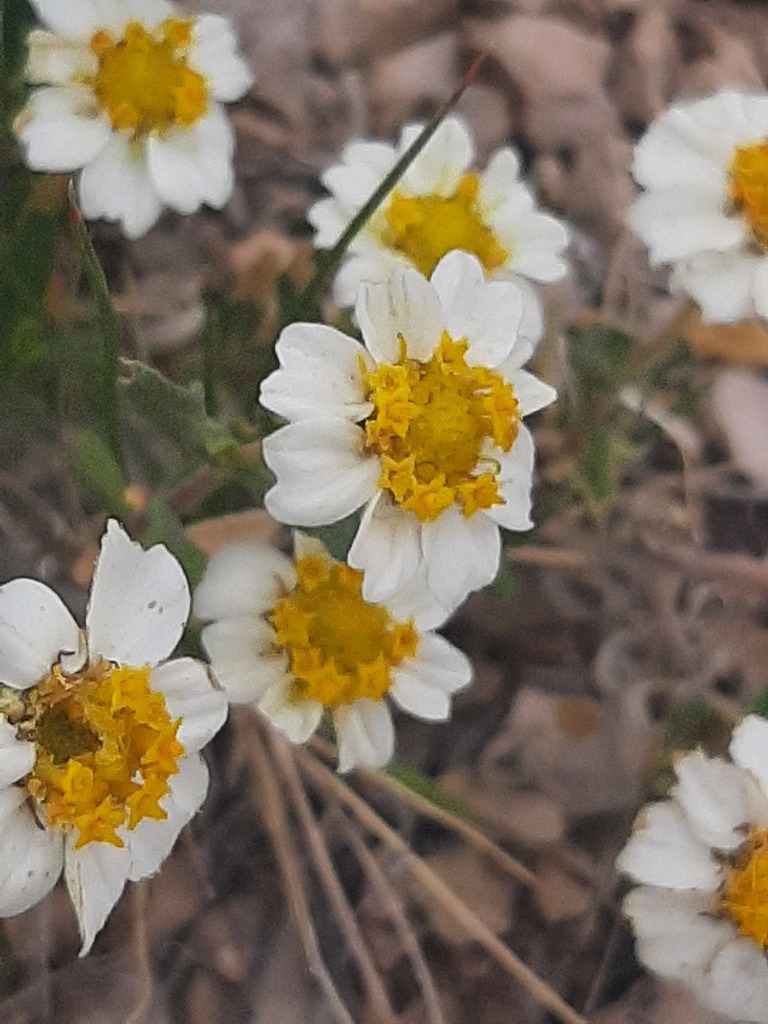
column 129, row 93
column 99, row 734
column 700, row 914
column 297, row 638
column 422, row 424
column 704, row 165
column 438, row 205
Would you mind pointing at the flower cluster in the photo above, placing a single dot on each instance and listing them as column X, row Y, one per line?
column 420, row 425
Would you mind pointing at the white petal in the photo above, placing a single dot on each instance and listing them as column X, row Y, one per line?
column 371, row 268
column 191, row 166
column 679, row 222
column 536, row 242
column 322, row 472
column 353, row 181
column 31, row 856
column 364, row 733
column 531, row 393
column 664, row 851
column 675, row 930
column 714, row 799
column 296, row 719
column 405, row 308
column 243, row 579
column 416, row 601
column 423, row 684
column 502, row 172
column 60, row 129
column 737, row 982
column 53, row 60
column 387, row 548
column 191, row 696
column 320, row 375
column 214, row 55
column 243, row 658
column 80, row 19
column 515, row 480
column 487, row 314
column 329, row 220
column 17, row 757
column 532, row 325
column 749, row 748
column 462, row 555
column 116, row 185
column 438, row 168
column 721, row 283
column 96, row 875
column 152, row 840
column 760, row 287
column 139, row 601
column 35, row 628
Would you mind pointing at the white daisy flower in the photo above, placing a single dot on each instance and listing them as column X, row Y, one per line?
column 99, row 734
column 130, row 94
column 298, row 639
column 422, row 424
column 700, row 913
column 705, row 168
column 438, row 205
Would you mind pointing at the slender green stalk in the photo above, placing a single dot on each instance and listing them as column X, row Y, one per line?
column 329, row 260
column 210, row 343
column 106, row 391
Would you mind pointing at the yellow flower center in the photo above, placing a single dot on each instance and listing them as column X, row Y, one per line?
column 144, row 82
column 106, row 747
column 341, row 648
column 744, row 897
column 425, row 228
column 749, row 188
column 430, row 424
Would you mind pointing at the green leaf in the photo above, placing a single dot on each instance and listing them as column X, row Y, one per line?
column 100, row 479
column 600, row 360
column 164, row 527
column 178, row 415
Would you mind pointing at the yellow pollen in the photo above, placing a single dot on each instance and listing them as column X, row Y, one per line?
column 425, row 228
column 143, row 80
column 106, row 747
column 749, row 189
column 744, row 897
column 430, row 424
column 341, row 648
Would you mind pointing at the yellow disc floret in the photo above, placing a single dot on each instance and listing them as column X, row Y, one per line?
column 744, row 897
column 341, row 648
column 430, row 424
column 144, row 82
column 425, row 228
column 749, row 189
column 106, row 747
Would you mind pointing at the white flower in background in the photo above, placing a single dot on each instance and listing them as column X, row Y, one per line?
column 704, row 165
column 99, row 769
column 422, row 424
column 130, row 94
column 700, row 913
column 298, row 639
column 438, row 205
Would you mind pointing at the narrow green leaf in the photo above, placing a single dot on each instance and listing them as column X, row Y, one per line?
column 163, row 527
column 109, row 329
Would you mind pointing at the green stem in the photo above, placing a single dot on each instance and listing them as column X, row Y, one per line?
column 210, row 341
column 329, row 260
column 106, row 396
